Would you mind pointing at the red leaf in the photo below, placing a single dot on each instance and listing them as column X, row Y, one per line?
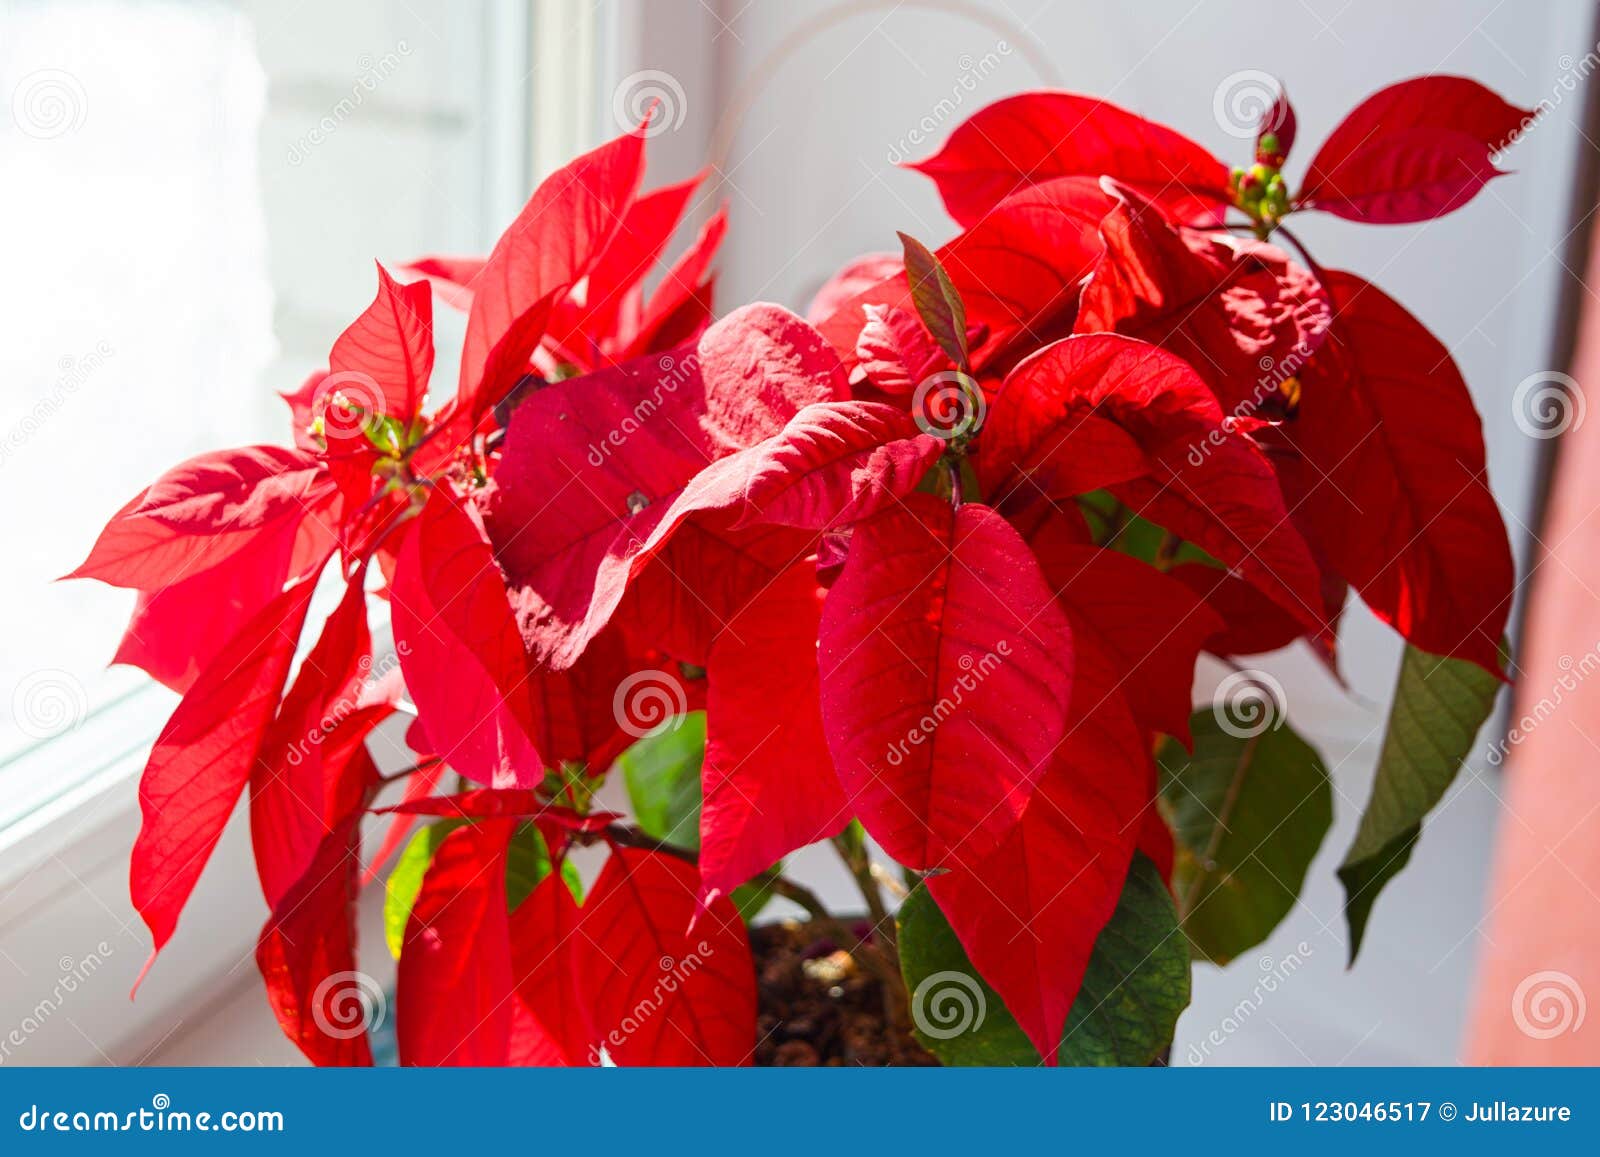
column 419, row 786
column 294, row 789
column 1240, row 312
column 946, row 667
column 452, row 278
column 550, row 1027
column 657, row 991
column 1398, row 491
column 768, row 780
column 1106, row 411
column 1280, row 121
column 895, row 352
column 202, row 759
column 454, row 995
column 1253, row 624
column 1413, row 151
column 382, row 362
column 557, row 238
column 459, row 648
column 859, row 275
column 592, row 478
column 1029, row 914
column 681, row 303
column 228, row 491
column 1035, row 136
column 307, row 956
column 1148, row 624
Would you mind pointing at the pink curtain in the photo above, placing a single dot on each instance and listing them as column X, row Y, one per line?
column 1539, row 965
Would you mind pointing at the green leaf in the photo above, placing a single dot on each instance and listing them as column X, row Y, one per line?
column 936, row 299
column 1249, row 809
column 749, row 898
column 1439, row 706
column 662, row 774
column 527, row 863
column 405, row 880
column 1136, row 985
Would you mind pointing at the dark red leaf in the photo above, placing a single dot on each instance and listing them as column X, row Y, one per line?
column 550, row 1027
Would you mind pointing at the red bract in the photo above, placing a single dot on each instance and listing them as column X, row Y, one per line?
column 926, row 576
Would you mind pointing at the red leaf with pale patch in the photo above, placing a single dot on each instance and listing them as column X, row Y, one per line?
column 460, row 650
column 390, row 346
column 895, row 352
column 1029, row 914
column 1036, row 136
column 307, row 955
column 454, row 995
column 592, row 480
column 768, row 783
column 1240, row 312
column 946, row 668
column 1398, row 494
column 658, row 991
column 1413, row 151
column 550, row 1027
column 557, row 239
column 294, row 793
column 202, row 759
column 1100, row 410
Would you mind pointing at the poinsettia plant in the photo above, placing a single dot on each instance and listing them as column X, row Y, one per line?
column 924, row 576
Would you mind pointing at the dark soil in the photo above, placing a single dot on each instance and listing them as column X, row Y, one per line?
column 817, row 1006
